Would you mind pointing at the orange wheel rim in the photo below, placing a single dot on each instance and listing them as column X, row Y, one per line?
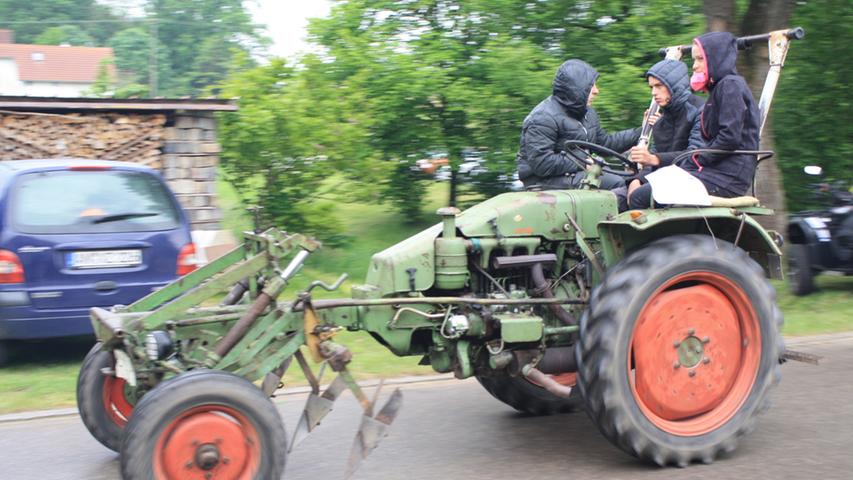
column 115, row 400
column 694, row 354
column 208, row 442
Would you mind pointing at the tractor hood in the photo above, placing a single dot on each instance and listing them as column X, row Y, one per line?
column 410, row 265
column 539, row 214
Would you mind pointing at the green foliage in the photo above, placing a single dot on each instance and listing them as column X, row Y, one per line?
column 29, row 18
column 65, row 34
column 195, row 40
column 131, row 90
column 132, row 48
column 273, row 149
column 103, row 82
column 811, row 113
column 201, row 38
column 452, row 75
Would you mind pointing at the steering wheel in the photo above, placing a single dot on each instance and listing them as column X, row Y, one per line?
column 628, row 169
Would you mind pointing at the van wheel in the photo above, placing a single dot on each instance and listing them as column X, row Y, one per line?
column 103, row 400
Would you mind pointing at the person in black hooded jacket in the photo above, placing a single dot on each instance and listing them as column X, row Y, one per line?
column 677, row 130
column 729, row 120
column 566, row 115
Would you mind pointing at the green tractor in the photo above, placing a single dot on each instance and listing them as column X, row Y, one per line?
column 660, row 323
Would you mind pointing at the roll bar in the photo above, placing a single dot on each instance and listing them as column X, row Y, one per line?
column 744, row 43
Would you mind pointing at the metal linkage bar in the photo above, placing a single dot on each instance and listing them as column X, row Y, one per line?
column 744, row 43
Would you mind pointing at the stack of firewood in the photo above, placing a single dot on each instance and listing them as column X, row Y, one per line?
column 110, row 136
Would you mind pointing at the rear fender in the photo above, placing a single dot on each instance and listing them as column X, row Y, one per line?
column 625, row 233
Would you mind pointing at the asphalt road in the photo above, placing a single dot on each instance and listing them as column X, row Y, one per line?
column 455, row 430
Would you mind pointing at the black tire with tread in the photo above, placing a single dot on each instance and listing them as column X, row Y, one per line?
column 528, row 398
column 4, row 352
column 800, row 273
column 159, row 407
column 90, row 403
column 607, row 328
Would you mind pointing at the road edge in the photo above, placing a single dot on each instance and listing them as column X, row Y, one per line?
column 792, row 342
column 285, row 392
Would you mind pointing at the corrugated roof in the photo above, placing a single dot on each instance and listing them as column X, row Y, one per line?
column 51, row 63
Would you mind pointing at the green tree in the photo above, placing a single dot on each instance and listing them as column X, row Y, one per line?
column 201, row 37
column 30, row 18
column 453, row 75
column 65, row 34
column 132, row 48
column 103, row 86
column 273, row 148
column 812, row 110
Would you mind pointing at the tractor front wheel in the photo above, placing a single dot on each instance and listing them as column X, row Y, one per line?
column 679, row 349
column 204, row 424
column 105, row 402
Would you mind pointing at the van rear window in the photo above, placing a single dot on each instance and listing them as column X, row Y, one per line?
column 91, row 202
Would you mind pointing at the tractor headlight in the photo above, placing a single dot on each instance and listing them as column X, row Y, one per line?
column 158, row 345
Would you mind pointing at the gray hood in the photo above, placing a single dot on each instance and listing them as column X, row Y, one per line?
column 673, row 74
column 572, row 84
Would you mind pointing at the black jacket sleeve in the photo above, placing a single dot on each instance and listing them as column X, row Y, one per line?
column 619, row 141
column 540, row 140
column 732, row 112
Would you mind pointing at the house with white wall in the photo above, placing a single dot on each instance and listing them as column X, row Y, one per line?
column 49, row 70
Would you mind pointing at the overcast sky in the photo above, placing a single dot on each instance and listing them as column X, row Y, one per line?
column 286, row 22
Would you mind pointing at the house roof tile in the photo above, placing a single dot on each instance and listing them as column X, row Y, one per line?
column 52, row 63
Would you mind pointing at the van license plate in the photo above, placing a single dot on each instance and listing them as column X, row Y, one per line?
column 105, row 258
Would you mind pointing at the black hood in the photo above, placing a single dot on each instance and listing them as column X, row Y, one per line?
column 572, row 84
column 673, row 74
column 720, row 54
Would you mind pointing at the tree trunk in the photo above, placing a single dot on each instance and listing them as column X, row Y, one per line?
column 761, row 16
column 720, row 15
column 765, row 16
column 451, row 202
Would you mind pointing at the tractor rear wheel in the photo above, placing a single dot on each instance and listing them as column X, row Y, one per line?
column 104, row 401
column 204, row 424
column 528, row 397
column 679, row 349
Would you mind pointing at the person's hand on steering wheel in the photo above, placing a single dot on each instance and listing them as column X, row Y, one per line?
column 594, row 154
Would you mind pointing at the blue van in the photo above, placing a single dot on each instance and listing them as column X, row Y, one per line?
column 76, row 234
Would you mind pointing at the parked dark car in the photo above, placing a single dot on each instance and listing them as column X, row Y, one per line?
column 821, row 240
column 76, row 234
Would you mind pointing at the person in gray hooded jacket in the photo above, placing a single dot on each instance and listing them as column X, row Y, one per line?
column 677, row 131
column 566, row 115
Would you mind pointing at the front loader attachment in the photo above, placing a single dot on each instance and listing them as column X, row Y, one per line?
column 168, row 334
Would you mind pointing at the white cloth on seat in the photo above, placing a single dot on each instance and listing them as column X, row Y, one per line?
column 672, row 185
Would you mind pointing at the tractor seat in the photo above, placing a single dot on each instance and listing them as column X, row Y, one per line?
column 736, row 202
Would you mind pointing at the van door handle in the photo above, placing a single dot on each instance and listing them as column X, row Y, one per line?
column 105, row 286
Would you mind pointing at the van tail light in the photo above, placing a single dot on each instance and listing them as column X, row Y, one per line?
column 186, row 260
column 11, row 269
